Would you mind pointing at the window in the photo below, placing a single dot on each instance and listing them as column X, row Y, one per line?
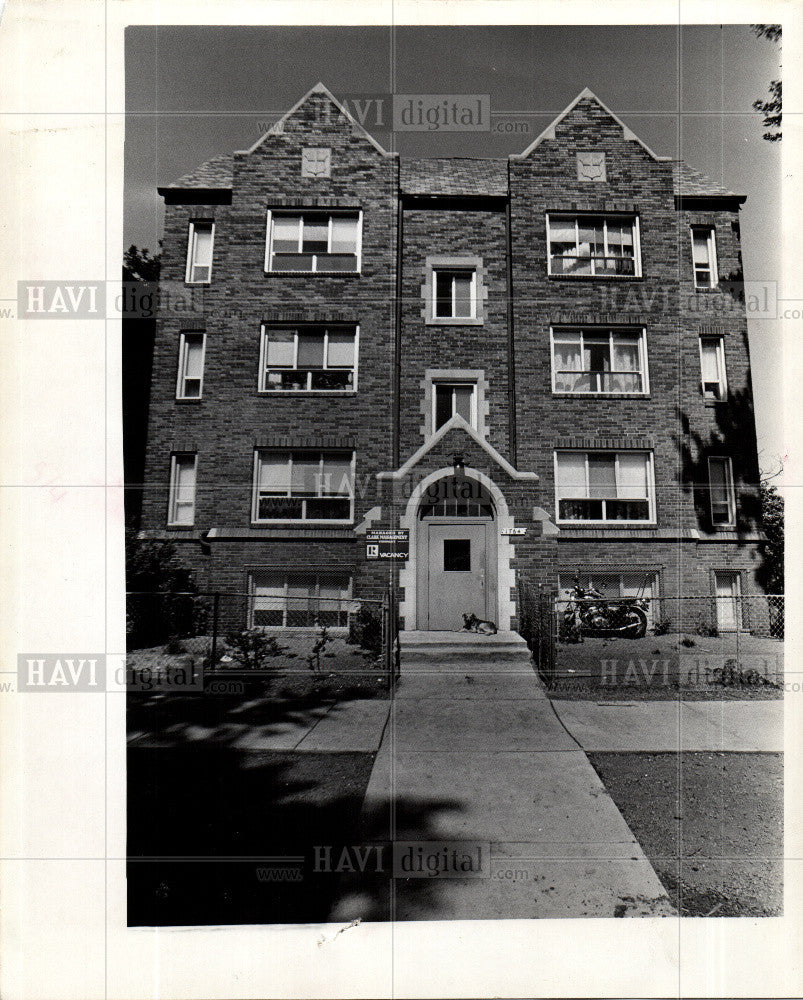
column 451, row 398
column 304, row 486
column 296, row 600
column 313, row 241
column 604, row 486
column 457, row 555
column 594, row 246
column 704, row 256
column 593, row 360
column 182, row 490
column 199, row 253
column 455, row 293
column 712, row 367
column 190, row 366
column 723, row 498
column 307, row 358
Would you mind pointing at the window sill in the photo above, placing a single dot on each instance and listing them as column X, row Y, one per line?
column 180, row 527
column 454, row 321
column 704, row 291
column 192, row 401
column 312, row 274
column 197, row 284
column 601, row 395
column 302, row 523
column 307, row 392
column 595, row 277
column 638, row 525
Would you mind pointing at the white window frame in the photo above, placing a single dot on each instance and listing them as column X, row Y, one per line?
column 721, row 369
column 335, row 328
column 606, row 217
column 288, row 452
column 188, row 278
column 729, row 486
column 453, row 270
column 285, row 574
column 597, row 332
column 616, row 522
column 711, row 245
column 173, row 502
column 453, row 383
column 300, row 212
column 181, row 381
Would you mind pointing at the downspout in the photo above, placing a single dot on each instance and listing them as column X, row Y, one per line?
column 511, row 355
column 397, row 337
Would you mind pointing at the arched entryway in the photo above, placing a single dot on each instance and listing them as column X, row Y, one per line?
column 456, row 553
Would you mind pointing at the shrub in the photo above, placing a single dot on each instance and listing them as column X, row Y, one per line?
column 162, row 605
column 173, row 646
column 686, row 641
column 731, row 675
column 366, row 630
column 706, row 629
column 321, row 642
column 662, row 626
column 252, row 648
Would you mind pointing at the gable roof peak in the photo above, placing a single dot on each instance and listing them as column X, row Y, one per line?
column 319, row 88
column 586, row 92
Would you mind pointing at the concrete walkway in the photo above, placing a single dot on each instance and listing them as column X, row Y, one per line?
column 673, row 726
column 474, row 752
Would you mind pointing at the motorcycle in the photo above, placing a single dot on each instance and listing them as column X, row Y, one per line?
column 589, row 613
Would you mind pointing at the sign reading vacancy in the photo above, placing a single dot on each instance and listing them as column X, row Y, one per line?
column 387, row 544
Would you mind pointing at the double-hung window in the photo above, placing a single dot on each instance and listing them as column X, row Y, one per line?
column 314, row 241
column 593, row 246
column 597, row 360
column 199, row 253
column 604, row 486
column 308, row 358
column 303, row 486
column 455, row 293
column 190, row 366
column 723, row 497
column 450, row 398
column 712, row 368
column 181, row 506
column 704, row 256
column 299, row 600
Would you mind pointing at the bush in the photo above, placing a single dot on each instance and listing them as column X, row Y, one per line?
column 163, row 605
column 252, row 648
column 366, row 630
column 731, row 675
column 322, row 641
column 706, row 629
column 662, row 626
column 174, row 646
column 686, row 641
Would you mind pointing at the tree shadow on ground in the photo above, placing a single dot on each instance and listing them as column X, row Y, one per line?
column 221, row 836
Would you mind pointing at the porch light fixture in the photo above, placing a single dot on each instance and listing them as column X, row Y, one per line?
column 457, row 462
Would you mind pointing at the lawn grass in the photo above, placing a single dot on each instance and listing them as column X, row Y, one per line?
column 710, row 823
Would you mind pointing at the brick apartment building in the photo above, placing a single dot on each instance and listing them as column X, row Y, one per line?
column 532, row 366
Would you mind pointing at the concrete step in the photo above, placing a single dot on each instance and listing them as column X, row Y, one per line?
column 444, row 652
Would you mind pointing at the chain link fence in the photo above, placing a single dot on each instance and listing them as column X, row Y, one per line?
column 738, row 629
column 286, row 628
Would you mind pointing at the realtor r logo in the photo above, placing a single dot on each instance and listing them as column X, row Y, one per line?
column 56, row 672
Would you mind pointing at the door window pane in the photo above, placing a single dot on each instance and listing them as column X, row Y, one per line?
column 457, row 555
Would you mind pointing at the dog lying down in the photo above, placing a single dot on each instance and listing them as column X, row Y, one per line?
column 473, row 624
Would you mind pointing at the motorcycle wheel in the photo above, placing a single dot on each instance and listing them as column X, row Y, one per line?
column 636, row 623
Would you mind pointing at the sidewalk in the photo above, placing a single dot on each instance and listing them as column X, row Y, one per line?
column 474, row 752
column 655, row 726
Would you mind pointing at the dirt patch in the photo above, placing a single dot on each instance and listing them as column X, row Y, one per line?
column 660, row 667
column 710, row 823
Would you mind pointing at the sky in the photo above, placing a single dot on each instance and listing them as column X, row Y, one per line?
column 686, row 91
